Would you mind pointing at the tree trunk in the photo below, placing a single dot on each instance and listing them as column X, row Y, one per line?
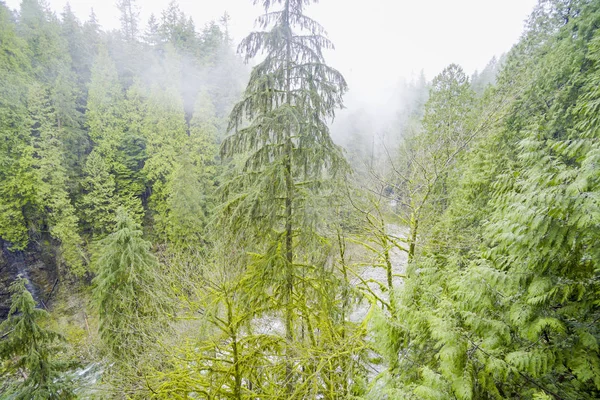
column 289, row 197
column 414, row 226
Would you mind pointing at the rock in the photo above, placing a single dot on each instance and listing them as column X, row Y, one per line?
column 36, row 264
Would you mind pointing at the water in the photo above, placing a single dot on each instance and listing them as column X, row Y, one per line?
column 376, row 276
column 16, row 262
column 87, row 380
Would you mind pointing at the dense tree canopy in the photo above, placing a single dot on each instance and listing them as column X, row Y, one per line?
column 189, row 238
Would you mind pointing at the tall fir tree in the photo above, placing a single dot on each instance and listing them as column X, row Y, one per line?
column 192, row 187
column 92, row 34
column 128, row 294
column 165, row 133
column 130, row 15
column 51, row 62
column 152, row 35
column 30, row 350
column 107, row 122
column 287, row 154
column 53, row 180
column 178, row 30
column 17, row 179
column 42, row 31
column 99, row 202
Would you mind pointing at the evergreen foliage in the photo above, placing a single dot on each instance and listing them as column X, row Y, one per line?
column 288, row 156
column 29, row 349
column 428, row 153
column 191, row 191
column 107, row 125
column 165, row 133
column 98, row 203
column 92, row 91
column 127, row 290
column 178, row 30
column 52, row 178
column 507, row 308
column 232, row 358
column 129, row 18
column 91, row 122
column 459, row 261
column 17, row 188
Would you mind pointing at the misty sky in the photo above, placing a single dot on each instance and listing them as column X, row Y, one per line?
column 378, row 42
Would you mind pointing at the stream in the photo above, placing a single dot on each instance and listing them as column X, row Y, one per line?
column 376, row 276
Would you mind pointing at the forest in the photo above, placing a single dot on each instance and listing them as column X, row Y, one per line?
column 179, row 221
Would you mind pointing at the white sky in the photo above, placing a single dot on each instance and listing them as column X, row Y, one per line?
column 378, row 42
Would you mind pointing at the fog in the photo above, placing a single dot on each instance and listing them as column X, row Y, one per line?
column 381, row 45
column 377, row 42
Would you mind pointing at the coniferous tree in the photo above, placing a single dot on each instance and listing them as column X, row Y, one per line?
column 41, row 29
column 103, row 108
column 192, row 187
column 99, row 202
column 52, row 178
column 108, row 124
column 428, row 154
column 178, row 30
column 129, row 19
column 51, row 62
column 127, row 291
column 72, row 31
column 132, row 147
column 82, row 42
column 231, row 358
column 556, row 175
column 29, row 348
column 287, row 153
column 481, row 81
column 51, row 66
column 509, row 315
column 212, row 39
column 226, row 71
column 17, row 179
column 152, row 35
column 496, row 189
column 165, row 133
column 91, row 34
